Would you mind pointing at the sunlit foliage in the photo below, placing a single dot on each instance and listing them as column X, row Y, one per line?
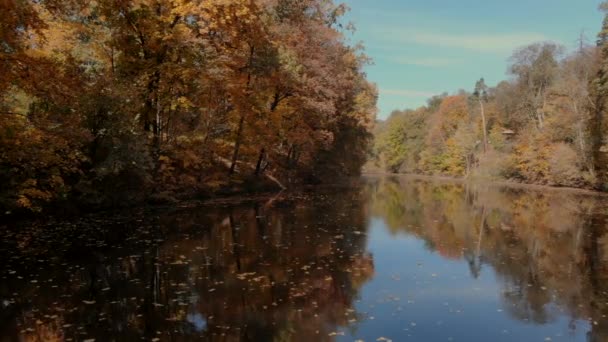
column 115, row 101
column 543, row 126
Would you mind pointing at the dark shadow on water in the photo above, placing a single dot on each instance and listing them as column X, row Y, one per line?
column 253, row 272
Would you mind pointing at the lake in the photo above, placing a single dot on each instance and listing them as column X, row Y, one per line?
column 388, row 258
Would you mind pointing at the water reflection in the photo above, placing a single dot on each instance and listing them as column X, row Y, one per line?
column 547, row 248
column 393, row 258
column 285, row 270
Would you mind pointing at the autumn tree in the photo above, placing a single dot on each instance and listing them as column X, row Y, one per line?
column 162, row 99
column 41, row 126
column 540, row 124
column 535, row 67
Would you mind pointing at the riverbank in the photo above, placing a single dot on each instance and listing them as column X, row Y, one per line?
column 508, row 183
column 234, row 194
column 235, row 191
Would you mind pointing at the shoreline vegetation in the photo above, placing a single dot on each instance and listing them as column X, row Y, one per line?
column 266, row 197
column 512, row 184
column 545, row 125
column 110, row 104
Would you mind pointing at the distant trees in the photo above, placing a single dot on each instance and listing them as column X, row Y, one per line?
column 115, row 101
column 535, row 68
column 401, row 140
column 544, row 126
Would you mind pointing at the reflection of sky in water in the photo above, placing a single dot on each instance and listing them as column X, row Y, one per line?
column 195, row 318
column 419, row 295
column 198, row 321
column 412, row 263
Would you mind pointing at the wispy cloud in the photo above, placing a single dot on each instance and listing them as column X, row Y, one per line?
column 487, row 42
column 406, row 93
column 425, row 62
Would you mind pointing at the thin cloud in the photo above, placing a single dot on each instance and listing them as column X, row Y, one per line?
column 407, row 93
column 491, row 42
column 425, row 62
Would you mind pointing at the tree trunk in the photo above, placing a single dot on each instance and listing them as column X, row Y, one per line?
column 289, row 152
column 150, row 105
column 468, row 160
column 597, row 141
column 239, row 132
column 237, row 145
column 539, row 111
column 258, row 167
column 483, row 128
column 581, row 139
column 157, row 125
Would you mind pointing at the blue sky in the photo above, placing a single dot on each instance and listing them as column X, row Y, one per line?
column 425, row 47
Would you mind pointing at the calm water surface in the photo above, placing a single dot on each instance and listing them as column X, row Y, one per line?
column 399, row 259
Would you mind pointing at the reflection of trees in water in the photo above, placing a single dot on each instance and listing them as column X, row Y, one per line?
column 286, row 271
column 549, row 248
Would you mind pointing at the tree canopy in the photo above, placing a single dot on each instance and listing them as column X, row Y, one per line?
column 112, row 101
column 544, row 125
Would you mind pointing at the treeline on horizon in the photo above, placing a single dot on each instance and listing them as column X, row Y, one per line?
column 546, row 125
column 116, row 101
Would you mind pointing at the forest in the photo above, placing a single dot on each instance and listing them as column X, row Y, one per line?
column 214, row 170
column 545, row 125
column 114, row 102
